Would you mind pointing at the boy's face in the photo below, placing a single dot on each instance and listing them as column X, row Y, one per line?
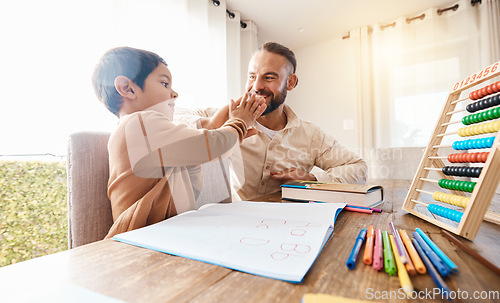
column 157, row 88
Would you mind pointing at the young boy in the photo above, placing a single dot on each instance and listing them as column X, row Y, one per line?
column 154, row 164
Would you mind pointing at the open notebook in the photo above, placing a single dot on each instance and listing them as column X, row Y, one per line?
column 274, row 240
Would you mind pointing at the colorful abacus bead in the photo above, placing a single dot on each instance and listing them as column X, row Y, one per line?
column 444, row 212
column 483, row 128
column 466, row 186
column 490, row 114
column 483, row 104
column 474, row 143
column 495, row 87
column 468, row 157
column 462, row 171
column 451, row 199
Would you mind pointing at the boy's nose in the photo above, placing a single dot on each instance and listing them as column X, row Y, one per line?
column 175, row 94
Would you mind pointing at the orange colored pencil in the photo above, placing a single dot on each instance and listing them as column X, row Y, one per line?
column 419, row 265
column 368, row 255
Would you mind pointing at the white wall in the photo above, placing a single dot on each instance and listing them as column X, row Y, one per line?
column 326, row 92
column 326, row 95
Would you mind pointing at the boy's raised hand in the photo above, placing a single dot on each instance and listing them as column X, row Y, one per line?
column 248, row 108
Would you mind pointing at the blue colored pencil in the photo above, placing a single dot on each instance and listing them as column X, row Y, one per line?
column 438, row 263
column 351, row 261
column 432, row 270
column 438, row 251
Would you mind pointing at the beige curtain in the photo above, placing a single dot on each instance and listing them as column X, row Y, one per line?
column 489, row 26
column 405, row 70
column 61, row 42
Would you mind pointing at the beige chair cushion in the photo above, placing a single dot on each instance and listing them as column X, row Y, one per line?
column 89, row 209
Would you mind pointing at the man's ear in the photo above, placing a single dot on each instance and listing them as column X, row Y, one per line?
column 124, row 86
column 292, row 81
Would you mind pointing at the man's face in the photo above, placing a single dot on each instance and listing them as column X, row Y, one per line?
column 268, row 75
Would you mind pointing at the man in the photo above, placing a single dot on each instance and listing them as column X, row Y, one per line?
column 286, row 147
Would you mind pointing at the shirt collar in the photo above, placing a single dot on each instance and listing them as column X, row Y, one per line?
column 292, row 119
column 163, row 108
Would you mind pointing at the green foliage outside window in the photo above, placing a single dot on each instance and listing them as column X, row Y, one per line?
column 33, row 210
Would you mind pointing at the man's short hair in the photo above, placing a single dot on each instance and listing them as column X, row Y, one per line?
column 276, row 48
column 135, row 64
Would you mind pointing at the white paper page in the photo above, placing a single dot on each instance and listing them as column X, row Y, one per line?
column 276, row 240
column 292, row 211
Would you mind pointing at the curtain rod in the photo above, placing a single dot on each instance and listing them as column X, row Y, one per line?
column 454, row 8
column 382, row 27
column 229, row 13
column 421, row 17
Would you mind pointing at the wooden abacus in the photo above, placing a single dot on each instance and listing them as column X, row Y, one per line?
column 473, row 197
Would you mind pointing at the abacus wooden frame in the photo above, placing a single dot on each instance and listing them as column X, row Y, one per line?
column 488, row 180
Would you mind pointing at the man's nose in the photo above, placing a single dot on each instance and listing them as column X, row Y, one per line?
column 258, row 84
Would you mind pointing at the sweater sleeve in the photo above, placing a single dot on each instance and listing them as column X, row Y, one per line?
column 153, row 143
column 191, row 117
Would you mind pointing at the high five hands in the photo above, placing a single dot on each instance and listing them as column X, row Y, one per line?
column 248, row 108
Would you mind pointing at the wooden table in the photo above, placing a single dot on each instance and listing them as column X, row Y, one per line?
column 135, row 274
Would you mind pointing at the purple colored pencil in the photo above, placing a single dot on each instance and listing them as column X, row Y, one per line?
column 399, row 243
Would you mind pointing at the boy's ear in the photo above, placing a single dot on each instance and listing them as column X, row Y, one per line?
column 124, row 86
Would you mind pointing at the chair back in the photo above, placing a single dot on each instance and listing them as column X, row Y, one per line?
column 89, row 208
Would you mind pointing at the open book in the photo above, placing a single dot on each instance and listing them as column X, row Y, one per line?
column 274, row 240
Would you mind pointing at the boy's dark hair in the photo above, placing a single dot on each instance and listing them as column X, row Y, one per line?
column 278, row 49
column 135, row 64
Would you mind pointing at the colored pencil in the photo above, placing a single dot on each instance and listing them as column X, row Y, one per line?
column 377, row 210
column 438, row 263
column 368, row 255
column 417, row 262
column 431, row 269
column 399, row 243
column 404, row 279
column 438, row 251
column 358, row 210
column 378, row 253
column 471, row 252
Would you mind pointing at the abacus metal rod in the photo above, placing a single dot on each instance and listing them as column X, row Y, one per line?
column 455, row 111
column 451, row 122
column 459, row 100
column 447, row 134
column 423, row 191
column 434, row 157
column 429, row 180
column 439, row 146
column 418, row 202
column 432, row 168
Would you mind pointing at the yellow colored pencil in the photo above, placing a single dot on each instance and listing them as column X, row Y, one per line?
column 404, row 278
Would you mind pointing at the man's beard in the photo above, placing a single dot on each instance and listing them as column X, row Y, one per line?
column 276, row 100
